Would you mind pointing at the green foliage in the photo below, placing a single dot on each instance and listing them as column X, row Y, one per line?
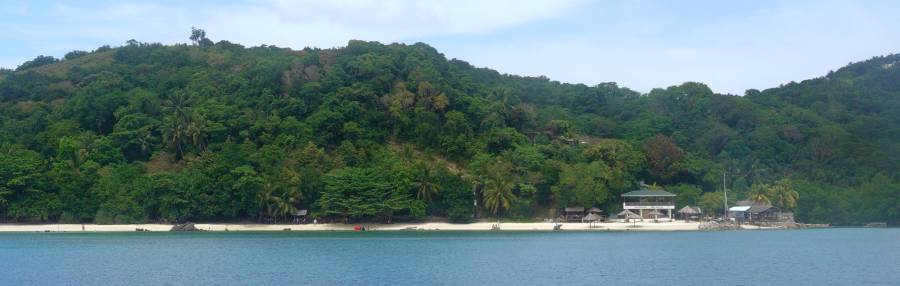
column 364, row 192
column 36, row 62
column 217, row 131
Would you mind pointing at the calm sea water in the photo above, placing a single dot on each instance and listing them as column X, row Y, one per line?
column 800, row 257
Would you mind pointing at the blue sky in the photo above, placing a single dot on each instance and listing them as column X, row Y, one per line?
column 639, row 44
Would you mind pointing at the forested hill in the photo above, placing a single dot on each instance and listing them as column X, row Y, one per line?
column 220, row 132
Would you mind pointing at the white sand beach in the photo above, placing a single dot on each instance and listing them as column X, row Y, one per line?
column 428, row 226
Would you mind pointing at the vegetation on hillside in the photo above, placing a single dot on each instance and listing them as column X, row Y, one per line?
column 219, row 132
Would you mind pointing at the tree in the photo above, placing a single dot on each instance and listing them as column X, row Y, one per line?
column 363, row 192
column 426, row 187
column 36, row 62
column 759, row 192
column 198, row 36
column 712, row 202
column 176, row 127
column 783, row 194
column 582, row 184
column 498, row 193
column 663, row 156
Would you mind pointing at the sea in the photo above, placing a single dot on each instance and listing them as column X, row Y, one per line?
column 838, row 256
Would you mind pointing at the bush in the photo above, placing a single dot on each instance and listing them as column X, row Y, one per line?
column 417, row 210
column 67, row 217
column 460, row 214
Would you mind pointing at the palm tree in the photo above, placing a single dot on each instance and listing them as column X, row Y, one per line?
column 426, row 187
column 498, row 193
column 176, row 123
column 759, row 193
column 784, row 195
column 174, row 133
column 197, row 130
column 145, row 141
column 265, row 197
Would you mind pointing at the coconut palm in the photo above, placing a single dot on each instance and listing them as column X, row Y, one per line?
column 174, row 133
column 176, row 124
column 265, row 198
column 426, row 187
column 759, row 193
column 783, row 194
column 197, row 130
column 498, row 193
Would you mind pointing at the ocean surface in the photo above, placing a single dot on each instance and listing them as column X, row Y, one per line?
column 775, row 257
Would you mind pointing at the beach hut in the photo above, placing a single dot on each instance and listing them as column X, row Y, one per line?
column 688, row 212
column 754, row 212
column 300, row 216
column 574, row 213
column 592, row 219
column 595, row 210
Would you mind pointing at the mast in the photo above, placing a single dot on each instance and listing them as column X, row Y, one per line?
column 725, row 191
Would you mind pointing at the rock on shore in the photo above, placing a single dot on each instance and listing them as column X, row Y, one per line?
column 185, row 227
column 713, row 225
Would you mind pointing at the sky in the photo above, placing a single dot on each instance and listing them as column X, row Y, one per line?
column 731, row 46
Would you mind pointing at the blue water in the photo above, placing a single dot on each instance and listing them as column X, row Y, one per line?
column 799, row 257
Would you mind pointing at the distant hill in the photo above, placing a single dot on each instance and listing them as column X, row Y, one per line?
column 220, row 132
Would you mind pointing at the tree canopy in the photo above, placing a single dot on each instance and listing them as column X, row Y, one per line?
column 219, row 131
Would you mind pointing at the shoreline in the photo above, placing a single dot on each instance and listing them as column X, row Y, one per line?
column 427, row 226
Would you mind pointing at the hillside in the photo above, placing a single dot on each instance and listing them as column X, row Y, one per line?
column 220, row 132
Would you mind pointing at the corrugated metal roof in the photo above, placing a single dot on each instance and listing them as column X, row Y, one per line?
column 648, row 193
column 739, row 208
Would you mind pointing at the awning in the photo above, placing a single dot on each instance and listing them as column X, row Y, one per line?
column 739, row 208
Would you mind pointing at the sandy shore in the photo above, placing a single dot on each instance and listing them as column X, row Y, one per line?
column 431, row 226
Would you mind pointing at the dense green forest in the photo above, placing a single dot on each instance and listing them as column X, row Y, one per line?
column 214, row 131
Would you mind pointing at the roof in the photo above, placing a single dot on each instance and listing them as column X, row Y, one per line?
column 574, row 209
column 739, row 209
column 301, row 212
column 760, row 208
column 591, row 217
column 628, row 214
column 648, row 193
column 688, row 210
column 754, row 207
column 595, row 210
